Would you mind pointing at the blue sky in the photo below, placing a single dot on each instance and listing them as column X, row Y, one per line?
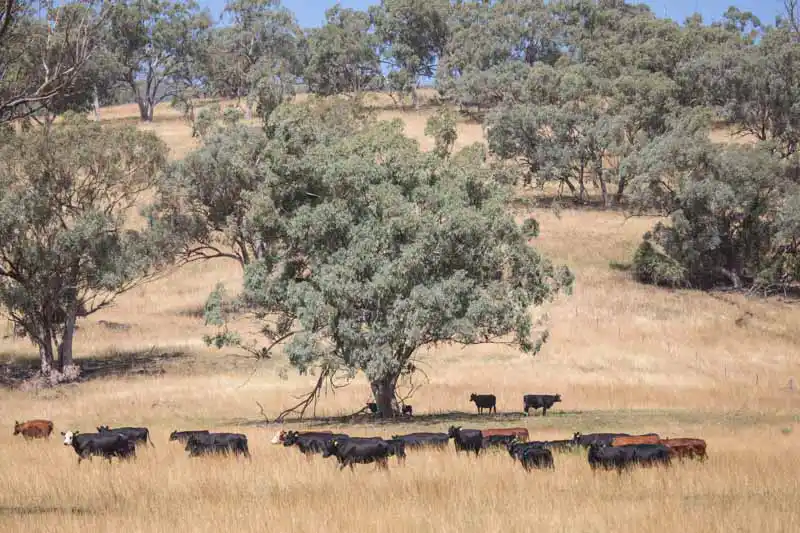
column 312, row 12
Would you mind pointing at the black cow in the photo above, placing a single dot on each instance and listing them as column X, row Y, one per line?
column 559, row 445
column 183, row 436
column 484, row 401
column 408, row 410
column 359, row 451
column 424, row 440
column 623, row 457
column 596, row 438
column 533, row 454
column 373, row 407
column 469, row 440
column 539, row 401
column 137, row 435
column 220, row 443
column 397, row 447
column 497, row 440
column 311, row 443
column 106, row 445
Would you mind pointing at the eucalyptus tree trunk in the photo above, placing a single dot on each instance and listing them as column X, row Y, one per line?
column 383, row 391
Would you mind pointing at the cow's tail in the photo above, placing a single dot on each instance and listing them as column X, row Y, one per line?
column 148, row 439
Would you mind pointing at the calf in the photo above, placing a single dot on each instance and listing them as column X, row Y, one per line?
column 358, row 451
column 220, row 443
column 183, row 436
column 539, row 401
column 635, row 439
column 466, row 439
column 686, row 448
column 34, row 429
column 309, row 444
column 624, row 457
column 531, row 454
column 137, row 435
column 520, row 433
column 107, row 445
column 484, row 401
column 424, row 440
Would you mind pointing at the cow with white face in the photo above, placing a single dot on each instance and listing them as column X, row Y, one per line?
column 106, row 445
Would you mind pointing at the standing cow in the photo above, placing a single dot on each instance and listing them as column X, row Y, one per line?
column 137, row 435
column 484, row 401
column 34, row 429
column 539, row 401
column 106, row 445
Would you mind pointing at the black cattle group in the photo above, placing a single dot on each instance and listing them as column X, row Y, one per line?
column 531, row 455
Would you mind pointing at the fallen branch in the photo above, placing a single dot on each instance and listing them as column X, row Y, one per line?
column 261, row 407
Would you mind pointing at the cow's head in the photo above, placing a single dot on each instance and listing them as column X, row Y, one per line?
column 330, row 448
column 279, row 437
column 17, row 427
column 473, row 397
column 173, row 435
column 69, row 436
column 453, row 431
column 557, row 398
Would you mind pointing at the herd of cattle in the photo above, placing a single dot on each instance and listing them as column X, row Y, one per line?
column 610, row 451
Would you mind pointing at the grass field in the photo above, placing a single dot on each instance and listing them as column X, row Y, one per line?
column 624, row 357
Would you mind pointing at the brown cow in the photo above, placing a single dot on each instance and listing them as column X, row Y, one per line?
column 34, row 429
column 686, row 448
column 635, row 439
column 520, row 433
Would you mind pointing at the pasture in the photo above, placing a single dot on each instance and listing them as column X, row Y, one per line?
column 623, row 356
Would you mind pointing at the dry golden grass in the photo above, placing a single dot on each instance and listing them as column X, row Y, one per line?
column 625, row 357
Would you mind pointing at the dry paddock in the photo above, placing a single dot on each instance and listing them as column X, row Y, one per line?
column 749, row 483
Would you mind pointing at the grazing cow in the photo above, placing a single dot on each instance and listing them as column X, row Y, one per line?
column 520, row 433
column 596, row 438
column 280, row 436
column 309, row 444
column 137, row 435
column 358, row 451
column 539, row 401
column 468, row 440
column 424, row 440
column 34, row 429
column 623, row 457
column 222, row 443
column 635, row 439
column 686, row 448
column 183, row 436
column 484, row 401
column 531, row 454
column 407, row 410
column 107, row 445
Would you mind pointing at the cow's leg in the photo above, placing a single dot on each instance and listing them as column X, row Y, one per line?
column 544, row 410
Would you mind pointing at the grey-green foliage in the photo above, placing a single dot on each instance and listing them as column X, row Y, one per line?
column 729, row 208
column 65, row 248
column 381, row 249
column 44, row 55
column 412, row 34
column 558, row 128
column 442, row 127
column 201, row 205
column 342, row 54
column 159, row 46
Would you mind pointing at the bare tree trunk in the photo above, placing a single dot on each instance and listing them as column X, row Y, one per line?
column 96, row 104
column 46, row 358
column 383, row 390
column 65, row 348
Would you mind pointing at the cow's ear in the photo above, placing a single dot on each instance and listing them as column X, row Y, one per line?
column 63, row 434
